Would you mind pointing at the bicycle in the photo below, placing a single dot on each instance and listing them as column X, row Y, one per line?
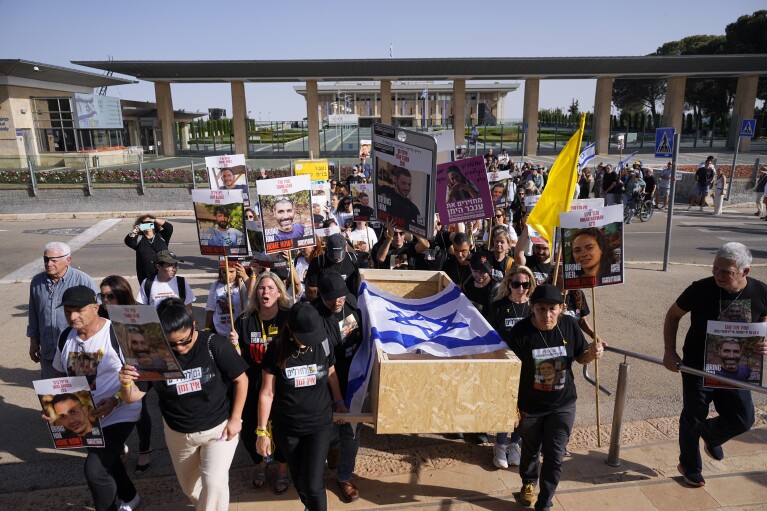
column 638, row 206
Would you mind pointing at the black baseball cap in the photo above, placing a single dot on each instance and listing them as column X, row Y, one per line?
column 306, row 324
column 335, row 246
column 332, row 286
column 78, row 296
column 547, row 293
column 479, row 262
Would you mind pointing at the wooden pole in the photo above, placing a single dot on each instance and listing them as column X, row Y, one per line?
column 229, row 297
column 596, row 363
column 290, row 275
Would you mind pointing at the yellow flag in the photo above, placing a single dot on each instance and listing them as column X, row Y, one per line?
column 560, row 187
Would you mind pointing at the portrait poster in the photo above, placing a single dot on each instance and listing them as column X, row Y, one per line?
column 364, row 149
column 228, row 172
column 463, row 193
column 360, row 240
column 499, row 182
column 593, row 247
column 730, row 351
column 220, row 222
column 403, row 166
column 68, row 405
column 286, row 213
column 320, row 202
column 362, row 198
column 317, row 170
column 143, row 342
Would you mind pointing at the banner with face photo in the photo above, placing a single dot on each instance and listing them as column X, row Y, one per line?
column 362, row 194
column 320, row 202
column 254, row 231
column 68, row 405
column 143, row 341
column 317, row 170
column 730, row 351
column 403, row 164
column 228, row 172
column 220, row 222
column 499, row 181
column 463, row 193
column 593, row 247
column 286, row 212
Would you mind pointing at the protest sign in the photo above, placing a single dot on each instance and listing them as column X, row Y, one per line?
column 228, row 172
column 317, row 170
column 286, row 213
column 463, row 193
column 730, row 350
column 143, row 341
column 320, row 202
column 68, row 405
column 499, row 182
column 403, row 165
column 593, row 247
column 586, row 204
column 220, row 225
column 361, row 194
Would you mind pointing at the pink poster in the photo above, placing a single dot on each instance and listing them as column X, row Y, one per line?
column 463, row 192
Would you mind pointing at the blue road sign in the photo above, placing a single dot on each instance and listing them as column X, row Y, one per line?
column 748, row 128
column 664, row 142
column 524, row 128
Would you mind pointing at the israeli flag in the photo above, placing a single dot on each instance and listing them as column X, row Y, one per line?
column 624, row 161
column 444, row 325
column 587, row 154
column 424, row 93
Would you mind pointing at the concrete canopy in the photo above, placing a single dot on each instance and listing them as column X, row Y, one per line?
column 27, row 69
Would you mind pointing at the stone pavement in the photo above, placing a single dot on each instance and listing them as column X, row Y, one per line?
column 436, row 474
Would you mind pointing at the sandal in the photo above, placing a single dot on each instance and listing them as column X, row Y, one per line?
column 143, row 467
column 281, row 484
column 259, row 476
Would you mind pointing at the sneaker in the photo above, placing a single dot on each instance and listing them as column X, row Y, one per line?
column 499, row 456
column 515, row 453
column 133, row 505
column 527, row 494
column 695, row 480
column 714, row 451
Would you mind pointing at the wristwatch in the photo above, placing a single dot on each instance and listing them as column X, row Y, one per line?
column 119, row 400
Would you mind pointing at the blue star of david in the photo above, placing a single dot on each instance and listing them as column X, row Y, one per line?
column 445, row 324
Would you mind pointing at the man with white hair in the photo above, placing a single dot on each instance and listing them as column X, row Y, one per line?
column 707, row 300
column 45, row 321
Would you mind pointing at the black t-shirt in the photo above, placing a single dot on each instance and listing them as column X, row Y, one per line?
column 323, row 264
column 546, row 354
column 407, row 250
column 344, row 333
column 198, row 402
column 363, row 211
column 704, row 175
column 541, row 271
column 498, row 268
column 146, row 249
column 302, row 400
column 255, row 336
column 609, row 179
column 503, row 314
column 457, row 272
column 575, row 309
column 650, row 185
column 481, row 297
column 707, row 302
column 400, row 207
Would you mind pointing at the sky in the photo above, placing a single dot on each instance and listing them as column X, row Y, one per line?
column 303, row 29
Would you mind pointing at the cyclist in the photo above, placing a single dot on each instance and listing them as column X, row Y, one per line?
column 634, row 192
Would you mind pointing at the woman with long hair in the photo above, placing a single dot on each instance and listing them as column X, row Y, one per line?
column 585, row 182
column 720, row 184
column 258, row 326
column 591, row 251
column 459, row 188
column 509, row 307
column 299, row 392
column 217, row 311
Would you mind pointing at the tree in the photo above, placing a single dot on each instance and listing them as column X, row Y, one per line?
column 636, row 95
column 574, row 111
column 747, row 35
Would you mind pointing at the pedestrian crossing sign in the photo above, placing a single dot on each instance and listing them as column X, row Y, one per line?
column 664, row 142
column 747, row 128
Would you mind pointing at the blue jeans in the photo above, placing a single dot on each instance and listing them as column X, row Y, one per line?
column 736, row 416
column 348, row 442
column 545, row 433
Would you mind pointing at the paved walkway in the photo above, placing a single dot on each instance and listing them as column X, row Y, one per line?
column 437, row 474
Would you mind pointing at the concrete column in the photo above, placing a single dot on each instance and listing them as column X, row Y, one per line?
column 185, row 132
column 459, row 111
column 164, row 101
column 742, row 108
column 239, row 113
column 530, row 115
column 603, row 100
column 312, row 117
column 386, row 101
column 673, row 107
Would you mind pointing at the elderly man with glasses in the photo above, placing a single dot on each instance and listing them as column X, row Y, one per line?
column 46, row 322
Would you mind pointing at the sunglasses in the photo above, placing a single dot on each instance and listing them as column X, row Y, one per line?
column 107, row 296
column 516, row 285
column 47, row 259
column 186, row 341
column 498, row 216
column 399, row 233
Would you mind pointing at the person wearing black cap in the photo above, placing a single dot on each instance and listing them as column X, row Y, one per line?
column 86, row 349
column 342, row 320
column 392, row 244
column 480, row 287
column 336, row 259
column 547, row 342
column 166, row 283
column 299, row 391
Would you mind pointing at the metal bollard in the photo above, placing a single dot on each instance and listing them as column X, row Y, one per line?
column 613, row 458
column 141, row 175
column 88, row 177
column 32, row 178
column 191, row 167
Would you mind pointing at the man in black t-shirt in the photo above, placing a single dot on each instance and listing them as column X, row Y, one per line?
column 710, row 300
column 393, row 244
column 395, row 200
column 540, row 261
column 457, row 265
column 343, row 325
column 704, row 178
column 336, row 259
column 480, row 288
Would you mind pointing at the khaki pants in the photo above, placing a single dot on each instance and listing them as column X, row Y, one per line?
column 202, row 462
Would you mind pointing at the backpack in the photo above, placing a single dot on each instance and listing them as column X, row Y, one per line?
column 181, row 287
column 112, row 337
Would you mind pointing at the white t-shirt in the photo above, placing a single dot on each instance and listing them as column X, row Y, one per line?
column 301, row 266
column 162, row 290
column 96, row 359
column 218, row 303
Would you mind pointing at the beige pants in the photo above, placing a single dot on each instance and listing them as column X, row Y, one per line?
column 202, row 462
